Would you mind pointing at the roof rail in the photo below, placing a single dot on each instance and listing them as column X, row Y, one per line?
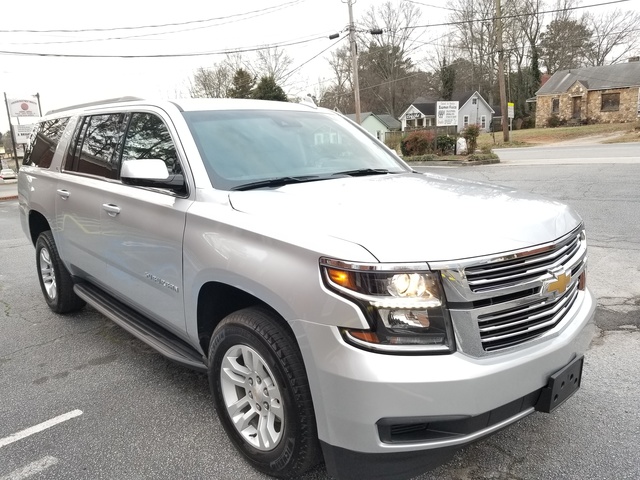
column 96, row 103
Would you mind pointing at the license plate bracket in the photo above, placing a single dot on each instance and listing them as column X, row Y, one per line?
column 561, row 385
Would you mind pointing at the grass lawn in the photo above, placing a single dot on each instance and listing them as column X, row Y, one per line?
column 619, row 132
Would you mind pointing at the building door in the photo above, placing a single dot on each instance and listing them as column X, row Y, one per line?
column 577, row 106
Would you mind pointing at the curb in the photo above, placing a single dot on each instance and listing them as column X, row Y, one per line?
column 12, row 197
column 460, row 163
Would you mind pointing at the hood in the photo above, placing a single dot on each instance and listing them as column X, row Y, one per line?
column 413, row 217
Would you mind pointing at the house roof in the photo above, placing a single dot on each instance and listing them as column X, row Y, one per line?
column 387, row 120
column 463, row 98
column 427, row 109
column 594, row 78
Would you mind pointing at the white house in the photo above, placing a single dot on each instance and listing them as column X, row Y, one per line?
column 420, row 114
column 376, row 124
column 472, row 109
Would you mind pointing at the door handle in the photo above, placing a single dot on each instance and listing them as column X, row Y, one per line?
column 63, row 193
column 111, row 209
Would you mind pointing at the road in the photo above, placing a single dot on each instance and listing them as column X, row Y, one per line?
column 571, row 153
column 142, row 417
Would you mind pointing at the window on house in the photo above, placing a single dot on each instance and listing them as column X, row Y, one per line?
column 483, row 122
column 610, row 102
column 474, row 101
column 465, row 121
column 555, row 105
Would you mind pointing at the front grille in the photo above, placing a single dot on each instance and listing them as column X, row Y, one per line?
column 524, row 267
column 517, row 325
column 509, row 299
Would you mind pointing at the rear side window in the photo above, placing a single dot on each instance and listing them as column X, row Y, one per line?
column 94, row 148
column 149, row 138
column 43, row 142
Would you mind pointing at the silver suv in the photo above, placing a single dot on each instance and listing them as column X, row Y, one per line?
column 346, row 308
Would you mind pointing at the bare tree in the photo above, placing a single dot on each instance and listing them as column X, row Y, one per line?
column 386, row 68
column 565, row 44
column 214, row 82
column 273, row 63
column 613, row 36
column 211, row 82
column 339, row 95
column 476, row 37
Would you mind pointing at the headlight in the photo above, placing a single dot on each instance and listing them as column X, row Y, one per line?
column 404, row 305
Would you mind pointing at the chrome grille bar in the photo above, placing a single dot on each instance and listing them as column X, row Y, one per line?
column 508, row 299
column 496, row 276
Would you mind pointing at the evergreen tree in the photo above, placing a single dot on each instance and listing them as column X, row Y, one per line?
column 241, row 85
column 268, row 89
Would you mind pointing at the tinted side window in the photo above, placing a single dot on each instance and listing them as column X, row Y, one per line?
column 95, row 145
column 43, row 142
column 149, row 138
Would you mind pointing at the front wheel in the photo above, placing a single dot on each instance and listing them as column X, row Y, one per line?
column 55, row 280
column 261, row 393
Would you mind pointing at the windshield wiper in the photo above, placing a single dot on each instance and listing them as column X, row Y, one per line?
column 278, row 182
column 361, row 172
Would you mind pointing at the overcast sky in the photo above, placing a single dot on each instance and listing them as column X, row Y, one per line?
column 187, row 27
column 63, row 81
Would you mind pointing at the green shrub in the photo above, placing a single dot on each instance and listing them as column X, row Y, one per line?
column 418, row 142
column 392, row 143
column 445, row 144
column 471, row 134
column 553, row 121
column 486, row 149
column 528, row 122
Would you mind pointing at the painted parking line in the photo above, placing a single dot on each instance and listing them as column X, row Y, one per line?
column 39, row 428
column 33, row 468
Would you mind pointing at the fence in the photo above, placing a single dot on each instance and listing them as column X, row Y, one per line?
column 393, row 139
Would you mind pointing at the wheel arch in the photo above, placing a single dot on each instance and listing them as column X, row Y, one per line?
column 37, row 224
column 216, row 300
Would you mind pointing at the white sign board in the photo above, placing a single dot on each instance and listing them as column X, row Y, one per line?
column 446, row 114
column 510, row 110
column 24, row 107
column 411, row 116
column 22, row 133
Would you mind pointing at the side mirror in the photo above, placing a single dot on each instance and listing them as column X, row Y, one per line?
column 151, row 173
column 144, row 170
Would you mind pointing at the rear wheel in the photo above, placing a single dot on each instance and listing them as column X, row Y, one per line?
column 261, row 393
column 55, row 280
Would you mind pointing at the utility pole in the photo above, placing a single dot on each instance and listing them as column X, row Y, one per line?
column 503, row 93
column 354, row 61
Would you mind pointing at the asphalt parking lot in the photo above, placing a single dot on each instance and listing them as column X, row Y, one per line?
column 116, row 409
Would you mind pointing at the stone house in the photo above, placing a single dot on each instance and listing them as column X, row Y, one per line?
column 608, row 94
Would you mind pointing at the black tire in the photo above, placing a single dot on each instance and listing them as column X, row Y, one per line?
column 55, row 280
column 272, row 394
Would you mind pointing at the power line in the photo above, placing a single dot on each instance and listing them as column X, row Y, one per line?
column 312, row 58
column 163, row 55
column 518, row 15
column 433, row 6
column 110, row 29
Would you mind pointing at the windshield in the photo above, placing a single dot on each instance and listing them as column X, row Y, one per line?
column 241, row 148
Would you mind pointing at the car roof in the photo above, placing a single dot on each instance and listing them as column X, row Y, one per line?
column 183, row 104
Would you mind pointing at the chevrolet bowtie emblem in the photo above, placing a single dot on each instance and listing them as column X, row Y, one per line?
column 559, row 285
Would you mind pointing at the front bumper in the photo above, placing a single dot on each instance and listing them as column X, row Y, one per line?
column 354, row 391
